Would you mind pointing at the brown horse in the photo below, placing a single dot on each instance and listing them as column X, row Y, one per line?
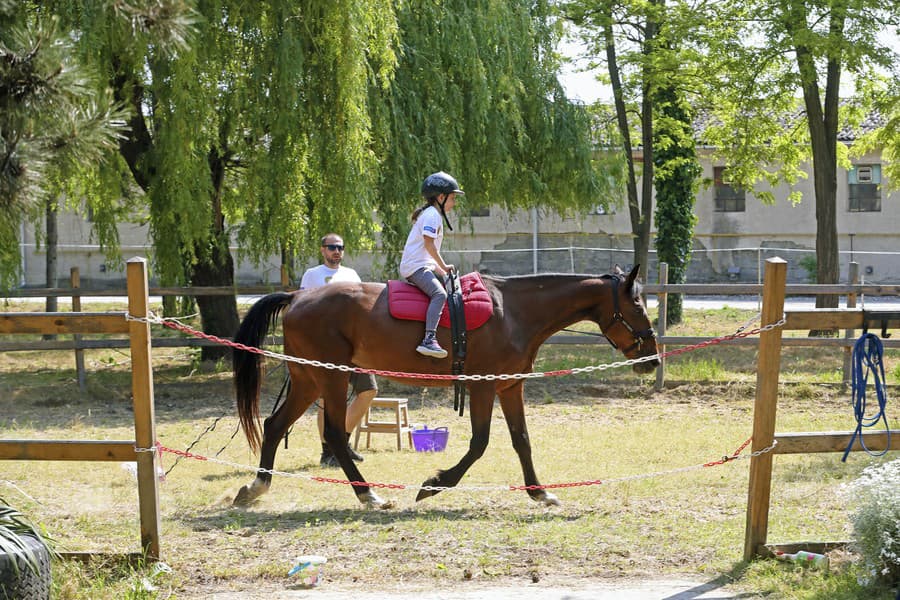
column 350, row 324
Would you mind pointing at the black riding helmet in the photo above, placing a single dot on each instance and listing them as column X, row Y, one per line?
column 437, row 184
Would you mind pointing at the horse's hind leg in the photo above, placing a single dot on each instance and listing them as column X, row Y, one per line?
column 334, row 393
column 302, row 393
column 480, row 408
column 512, row 402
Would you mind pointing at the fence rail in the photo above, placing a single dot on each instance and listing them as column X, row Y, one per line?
column 142, row 400
column 661, row 290
column 699, row 289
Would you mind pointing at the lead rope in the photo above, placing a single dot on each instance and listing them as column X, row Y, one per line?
column 867, row 359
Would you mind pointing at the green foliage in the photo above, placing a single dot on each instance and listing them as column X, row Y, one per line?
column 883, row 93
column 653, row 59
column 809, row 264
column 277, row 121
column 876, row 520
column 788, row 50
column 249, row 119
column 59, row 129
column 677, row 172
column 475, row 93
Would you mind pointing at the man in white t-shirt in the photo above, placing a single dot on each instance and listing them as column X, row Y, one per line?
column 363, row 385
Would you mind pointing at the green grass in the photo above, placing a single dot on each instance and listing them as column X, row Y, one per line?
column 649, row 518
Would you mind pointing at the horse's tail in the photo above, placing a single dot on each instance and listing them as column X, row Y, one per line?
column 261, row 317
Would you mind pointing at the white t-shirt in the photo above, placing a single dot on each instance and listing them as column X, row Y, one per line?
column 430, row 224
column 323, row 274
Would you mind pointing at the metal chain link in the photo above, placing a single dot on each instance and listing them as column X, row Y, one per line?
column 404, row 486
column 174, row 324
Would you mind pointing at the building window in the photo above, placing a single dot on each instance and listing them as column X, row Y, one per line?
column 480, row 212
column 728, row 197
column 864, row 188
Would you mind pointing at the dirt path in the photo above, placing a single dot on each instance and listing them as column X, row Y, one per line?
column 656, row 589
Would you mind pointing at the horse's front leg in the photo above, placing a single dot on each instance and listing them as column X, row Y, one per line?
column 512, row 401
column 480, row 408
column 301, row 395
column 337, row 439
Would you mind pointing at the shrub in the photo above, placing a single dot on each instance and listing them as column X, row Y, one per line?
column 876, row 520
column 809, row 264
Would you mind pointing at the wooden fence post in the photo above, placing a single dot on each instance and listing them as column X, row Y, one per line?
column 75, row 280
column 662, row 305
column 144, row 410
column 853, row 279
column 765, row 407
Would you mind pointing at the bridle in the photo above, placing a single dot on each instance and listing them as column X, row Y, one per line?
column 638, row 336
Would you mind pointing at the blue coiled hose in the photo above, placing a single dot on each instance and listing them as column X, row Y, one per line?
column 867, row 361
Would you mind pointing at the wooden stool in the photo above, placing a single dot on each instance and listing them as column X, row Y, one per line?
column 398, row 426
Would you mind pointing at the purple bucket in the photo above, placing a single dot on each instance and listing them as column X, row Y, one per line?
column 430, row 440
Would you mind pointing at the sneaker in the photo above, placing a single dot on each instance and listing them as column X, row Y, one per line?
column 356, row 456
column 328, row 459
column 430, row 347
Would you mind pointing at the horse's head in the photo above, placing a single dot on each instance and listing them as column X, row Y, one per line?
column 624, row 320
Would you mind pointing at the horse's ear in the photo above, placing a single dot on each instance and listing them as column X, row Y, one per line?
column 632, row 276
column 617, row 270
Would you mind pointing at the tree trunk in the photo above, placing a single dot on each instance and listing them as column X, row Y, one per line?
column 641, row 221
column 52, row 244
column 50, row 266
column 624, row 132
column 642, row 227
column 218, row 314
column 823, row 123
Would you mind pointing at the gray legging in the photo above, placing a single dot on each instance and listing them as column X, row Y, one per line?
column 427, row 281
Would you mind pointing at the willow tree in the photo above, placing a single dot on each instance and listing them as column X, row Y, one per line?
column 55, row 130
column 276, row 121
column 254, row 127
column 476, row 93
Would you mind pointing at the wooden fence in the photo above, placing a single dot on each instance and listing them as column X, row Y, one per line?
column 770, row 342
column 662, row 289
column 77, row 323
column 766, row 404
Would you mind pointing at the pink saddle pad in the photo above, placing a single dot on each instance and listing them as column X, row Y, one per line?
column 408, row 302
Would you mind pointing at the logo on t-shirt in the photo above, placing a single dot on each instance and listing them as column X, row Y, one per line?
column 329, row 278
column 430, row 229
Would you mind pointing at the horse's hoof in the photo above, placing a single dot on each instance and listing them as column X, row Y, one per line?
column 244, row 497
column 425, row 494
column 249, row 493
column 373, row 500
column 547, row 499
column 431, row 482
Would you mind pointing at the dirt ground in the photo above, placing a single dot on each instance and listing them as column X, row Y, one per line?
column 650, row 589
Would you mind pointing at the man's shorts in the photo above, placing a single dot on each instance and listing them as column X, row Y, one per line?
column 362, row 382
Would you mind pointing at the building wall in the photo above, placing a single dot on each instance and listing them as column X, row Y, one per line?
column 727, row 246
